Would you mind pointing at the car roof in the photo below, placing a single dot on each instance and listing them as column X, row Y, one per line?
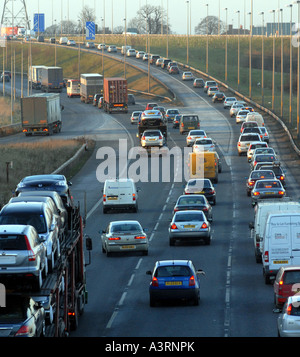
column 21, row 206
column 173, row 262
column 125, row 221
column 13, row 228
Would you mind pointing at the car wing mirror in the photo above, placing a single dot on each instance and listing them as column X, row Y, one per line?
column 149, row 272
column 200, row 272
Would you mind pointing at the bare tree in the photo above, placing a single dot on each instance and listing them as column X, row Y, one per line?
column 210, row 25
column 86, row 14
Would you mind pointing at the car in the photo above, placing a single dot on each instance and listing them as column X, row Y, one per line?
column 171, row 64
column 131, row 99
column 173, row 70
column 258, row 158
column 252, row 130
column 22, row 316
column 139, row 54
column 193, row 135
column 112, row 48
column 287, row 283
column 161, row 109
column 90, row 45
column 170, row 114
column 218, row 97
column 258, row 175
column 212, row 91
column 96, row 99
column 276, row 168
column 229, row 101
column 209, row 84
column 150, row 106
column 159, row 62
column 102, row 46
column 202, row 187
column 266, row 189
column 246, row 107
column 152, row 137
column 244, row 142
column 203, row 144
column 174, row 280
column 234, row 109
column 288, row 321
column 241, row 116
column 153, row 59
column 131, row 52
column 134, row 118
column 23, row 256
column 187, row 76
column 198, row 83
column 189, row 225
column 47, row 182
column 146, row 57
column 260, row 150
column 253, row 146
column 70, row 43
column 264, row 133
column 165, row 63
column 124, row 236
column 5, row 77
column 176, row 121
column 194, row 202
column 100, row 102
column 248, row 124
column 38, row 215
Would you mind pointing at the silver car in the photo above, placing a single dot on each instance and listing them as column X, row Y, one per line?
column 193, row 135
column 288, row 322
column 152, row 138
column 235, row 109
column 124, row 236
column 229, row 101
column 241, row 116
column 245, row 140
column 266, row 189
column 212, row 90
column 23, row 255
column 134, row 119
column 189, row 225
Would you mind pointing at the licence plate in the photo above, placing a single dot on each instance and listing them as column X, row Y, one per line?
column 190, row 127
column 173, row 283
column 280, row 261
column 189, row 226
column 128, row 246
column 152, row 139
column 112, row 198
column 269, row 193
column 7, row 259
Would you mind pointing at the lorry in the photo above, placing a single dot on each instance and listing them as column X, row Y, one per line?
column 90, row 84
column 35, row 76
column 115, row 98
column 51, row 79
column 41, row 114
column 281, row 243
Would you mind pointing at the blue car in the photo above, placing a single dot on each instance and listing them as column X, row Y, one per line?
column 174, row 280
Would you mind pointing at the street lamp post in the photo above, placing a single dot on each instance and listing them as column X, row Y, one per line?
column 206, row 38
column 262, row 57
column 281, row 64
column 187, row 32
column 239, row 25
column 250, row 56
column 226, row 46
column 273, row 71
column 291, row 65
column 298, row 69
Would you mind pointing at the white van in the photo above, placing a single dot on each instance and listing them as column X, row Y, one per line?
column 254, row 116
column 262, row 210
column 281, row 244
column 63, row 40
column 124, row 49
column 120, row 194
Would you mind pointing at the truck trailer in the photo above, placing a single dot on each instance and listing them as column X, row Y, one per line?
column 51, row 79
column 90, row 84
column 115, row 97
column 35, row 76
column 41, row 114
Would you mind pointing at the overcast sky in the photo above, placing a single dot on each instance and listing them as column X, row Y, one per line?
column 177, row 10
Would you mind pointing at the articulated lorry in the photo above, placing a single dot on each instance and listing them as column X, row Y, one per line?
column 90, row 84
column 115, row 97
column 35, row 76
column 51, row 79
column 41, row 114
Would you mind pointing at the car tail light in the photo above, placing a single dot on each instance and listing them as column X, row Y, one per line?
column 204, row 226
column 205, row 209
column 31, row 255
column 160, row 137
column 212, row 191
column 143, row 137
column 256, row 193
column 175, row 209
column 114, row 238
column 239, row 144
column 281, row 193
column 23, row 330
column 140, row 237
column 251, row 183
column 182, row 125
column 281, row 178
column 192, row 281
column 133, row 196
column 155, row 282
column 189, row 137
column 198, row 125
column 266, row 257
column 173, row 226
column 289, row 309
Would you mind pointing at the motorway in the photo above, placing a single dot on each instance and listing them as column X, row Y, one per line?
column 235, row 302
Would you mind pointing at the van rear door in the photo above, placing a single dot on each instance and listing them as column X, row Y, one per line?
column 295, row 239
column 125, row 194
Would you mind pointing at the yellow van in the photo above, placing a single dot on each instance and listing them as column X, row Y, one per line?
column 204, row 164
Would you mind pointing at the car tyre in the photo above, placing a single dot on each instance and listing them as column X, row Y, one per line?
column 172, row 241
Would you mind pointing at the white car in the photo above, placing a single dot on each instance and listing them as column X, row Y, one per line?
column 235, row 108
column 71, row 43
column 288, row 322
column 193, row 135
column 229, row 101
column 131, row 52
column 112, row 48
column 241, row 116
column 205, row 144
column 140, row 54
column 152, row 138
column 187, row 76
column 253, row 146
column 134, row 119
column 212, row 90
column 245, row 140
column 101, row 46
column 146, row 57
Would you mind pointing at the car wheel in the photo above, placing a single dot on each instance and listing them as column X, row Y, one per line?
column 207, row 241
column 152, row 302
column 172, row 241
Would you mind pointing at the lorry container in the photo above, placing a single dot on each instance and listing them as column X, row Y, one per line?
column 90, row 84
column 51, row 79
column 115, row 98
column 281, row 243
column 41, row 114
column 35, row 76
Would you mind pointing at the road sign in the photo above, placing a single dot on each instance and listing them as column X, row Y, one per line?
column 39, row 22
column 90, row 30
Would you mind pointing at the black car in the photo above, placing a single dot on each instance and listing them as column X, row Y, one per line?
column 131, row 99
column 276, row 168
column 176, row 121
column 51, row 182
column 218, row 97
column 202, row 187
column 258, row 175
column 194, row 202
column 22, row 317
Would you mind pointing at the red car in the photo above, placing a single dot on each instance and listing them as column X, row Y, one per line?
column 151, row 106
column 287, row 283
